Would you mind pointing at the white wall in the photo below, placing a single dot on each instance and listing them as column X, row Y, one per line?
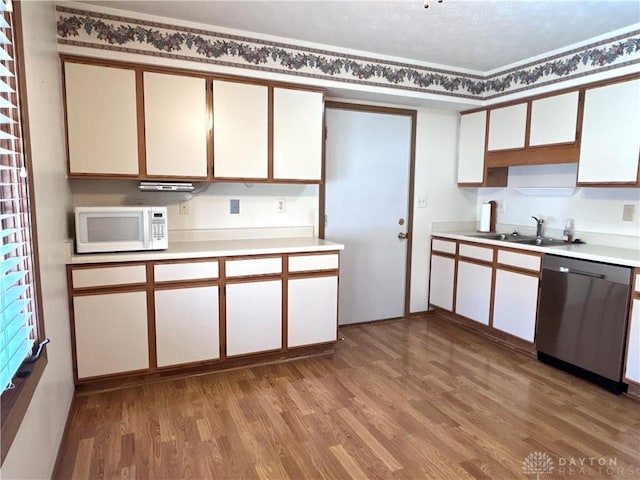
column 209, row 209
column 594, row 210
column 435, row 177
column 34, row 449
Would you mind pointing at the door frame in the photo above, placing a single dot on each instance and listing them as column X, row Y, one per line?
column 413, row 114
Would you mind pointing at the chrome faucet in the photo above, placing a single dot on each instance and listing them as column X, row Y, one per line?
column 539, row 223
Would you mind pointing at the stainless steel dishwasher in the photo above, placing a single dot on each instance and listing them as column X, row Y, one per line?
column 582, row 319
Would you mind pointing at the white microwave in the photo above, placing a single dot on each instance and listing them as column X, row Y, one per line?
column 121, row 229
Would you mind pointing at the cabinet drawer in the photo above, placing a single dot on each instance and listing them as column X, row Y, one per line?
column 313, row 262
column 519, row 260
column 103, row 277
column 479, row 253
column 185, row 271
column 444, row 246
column 253, row 266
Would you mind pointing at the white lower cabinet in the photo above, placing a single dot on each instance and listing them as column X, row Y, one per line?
column 111, row 333
column 441, row 282
column 632, row 368
column 187, row 325
column 516, row 304
column 312, row 315
column 473, row 292
column 254, row 316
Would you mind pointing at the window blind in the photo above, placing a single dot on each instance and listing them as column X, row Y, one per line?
column 17, row 301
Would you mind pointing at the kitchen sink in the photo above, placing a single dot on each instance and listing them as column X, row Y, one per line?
column 543, row 242
column 505, row 237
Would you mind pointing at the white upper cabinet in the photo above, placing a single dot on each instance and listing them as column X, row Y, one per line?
column 554, row 119
column 297, row 134
column 102, row 127
column 507, row 127
column 240, row 130
column 610, row 143
column 175, row 118
column 471, row 145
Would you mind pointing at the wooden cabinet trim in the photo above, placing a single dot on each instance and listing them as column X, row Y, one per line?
column 151, row 318
column 523, row 271
column 284, row 307
column 550, row 154
column 314, row 274
column 209, row 100
column 475, row 261
column 270, row 134
column 178, row 284
column 142, row 149
column 254, row 278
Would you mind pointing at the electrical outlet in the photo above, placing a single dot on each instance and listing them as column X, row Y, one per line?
column 184, row 208
column 501, row 207
column 628, row 213
column 234, row 206
column 281, row 205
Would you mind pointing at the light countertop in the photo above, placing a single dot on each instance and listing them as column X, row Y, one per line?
column 213, row 248
column 598, row 253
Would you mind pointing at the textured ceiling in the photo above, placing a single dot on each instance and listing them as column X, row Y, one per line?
column 479, row 35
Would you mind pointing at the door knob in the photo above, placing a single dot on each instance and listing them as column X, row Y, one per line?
column 403, row 236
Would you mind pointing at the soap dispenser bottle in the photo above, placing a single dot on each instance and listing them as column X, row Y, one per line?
column 567, row 234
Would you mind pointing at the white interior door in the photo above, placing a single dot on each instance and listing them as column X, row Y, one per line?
column 368, row 158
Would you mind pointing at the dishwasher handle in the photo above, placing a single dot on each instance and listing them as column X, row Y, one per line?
column 568, row 270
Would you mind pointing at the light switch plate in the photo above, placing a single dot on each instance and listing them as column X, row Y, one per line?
column 628, row 213
column 422, row 201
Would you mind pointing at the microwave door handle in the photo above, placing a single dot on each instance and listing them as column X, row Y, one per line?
column 146, row 222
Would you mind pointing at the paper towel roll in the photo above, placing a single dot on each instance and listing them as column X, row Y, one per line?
column 485, row 217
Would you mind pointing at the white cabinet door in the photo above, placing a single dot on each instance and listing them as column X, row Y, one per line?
column 111, row 333
column 102, row 126
column 297, row 134
column 554, row 119
column 610, row 142
column 240, row 130
column 187, row 325
column 473, row 292
column 632, row 369
column 175, row 120
column 254, row 317
column 312, row 315
column 507, row 127
column 515, row 304
column 441, row 282
column 471, row 144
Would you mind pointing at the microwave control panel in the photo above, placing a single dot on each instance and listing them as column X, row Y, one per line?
column 158, row 225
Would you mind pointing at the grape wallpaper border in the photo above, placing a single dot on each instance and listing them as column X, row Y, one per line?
column 109, row 32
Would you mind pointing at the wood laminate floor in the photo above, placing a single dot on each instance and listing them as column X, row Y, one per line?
column 404, row 399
